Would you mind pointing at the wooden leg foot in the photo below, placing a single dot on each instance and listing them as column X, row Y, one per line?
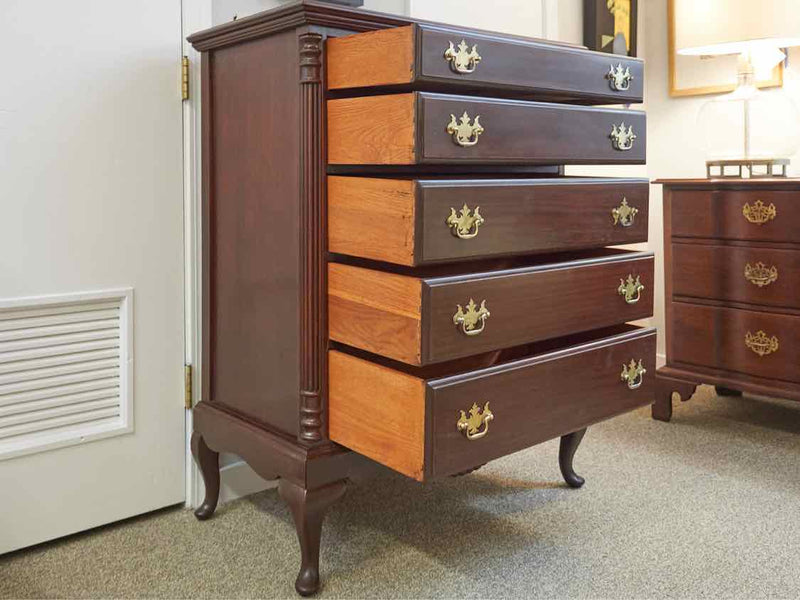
column 566, row 452
column 208, row 462
column 665, row 386
column 723, row 391
column 308, row 509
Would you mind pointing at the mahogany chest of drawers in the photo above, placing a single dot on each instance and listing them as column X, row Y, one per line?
column 395, row 266
column 732, row 264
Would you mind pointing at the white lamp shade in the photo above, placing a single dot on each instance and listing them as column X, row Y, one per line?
column 733, row 26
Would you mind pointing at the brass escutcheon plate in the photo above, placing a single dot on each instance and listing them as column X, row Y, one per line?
column 471, row 425
column 761, row 343
column 465, row 224
column 760, row 274
column 462, row 60
column 759, row 213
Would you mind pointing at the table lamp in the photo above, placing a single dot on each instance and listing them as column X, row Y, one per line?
column 747, row 131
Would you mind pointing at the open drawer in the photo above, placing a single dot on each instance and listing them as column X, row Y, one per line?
column 437, row 421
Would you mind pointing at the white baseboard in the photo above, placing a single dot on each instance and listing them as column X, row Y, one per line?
column 238, row 480
column 661, row 360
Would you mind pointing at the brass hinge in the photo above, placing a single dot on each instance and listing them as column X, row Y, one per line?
column 187, row 386
column 185, row 78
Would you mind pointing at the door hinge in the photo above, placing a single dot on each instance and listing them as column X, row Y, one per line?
column 187, row 386
column 185, row 78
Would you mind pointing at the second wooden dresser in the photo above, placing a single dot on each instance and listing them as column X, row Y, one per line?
column 396, row 267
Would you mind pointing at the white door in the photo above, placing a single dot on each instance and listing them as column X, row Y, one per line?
column 91, row 265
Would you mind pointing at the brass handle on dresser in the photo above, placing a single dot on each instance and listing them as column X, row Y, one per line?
column 760, row 274
column 464, row 60
column 619, row 79
column 624, row 214
column 622, row 137
column 761, row 343
column 633, row 374
column 465, row 224
column 759, row 213
column 468, row 319
column 465, row 134
column 471, row 425
column 631, row 289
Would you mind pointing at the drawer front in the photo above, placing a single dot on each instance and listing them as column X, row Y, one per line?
column 515, row 131
column 521, row 217
column 752, row 275
column 536, row 401
column 419, row 222
column 770, row 216
column 744, row 341
column 407, row 129
column 423, row 321
column 440, row 58
column 523, row 65
column 534, row 304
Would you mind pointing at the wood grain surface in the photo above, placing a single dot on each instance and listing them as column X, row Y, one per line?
column 375, row 58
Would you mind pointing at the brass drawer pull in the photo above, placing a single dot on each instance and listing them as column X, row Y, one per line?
column 761, row 343
column 760, row 274
column 759, row 213
column 631, row 289
column 465, row 134
column 465, row 225
column 633, row 374
column 622, row 138
column 619, row 79
column 471, row 426
column 463, row 61
column 469, row 319
column 624, row 214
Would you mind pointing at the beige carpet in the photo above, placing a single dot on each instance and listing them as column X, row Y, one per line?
column 706, row 506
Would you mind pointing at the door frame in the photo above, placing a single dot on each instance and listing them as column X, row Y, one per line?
column 237, row 479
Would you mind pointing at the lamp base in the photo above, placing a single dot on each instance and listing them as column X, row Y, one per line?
column 747, row 168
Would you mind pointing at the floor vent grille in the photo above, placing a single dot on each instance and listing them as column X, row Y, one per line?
column 65, row 370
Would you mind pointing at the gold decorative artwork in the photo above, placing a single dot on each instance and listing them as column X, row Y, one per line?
column 471, row 425
column 760, row 274
column 759, row 213
column 462, row 60
column 464, row 133
column 465, row 224
column 761, row 343
column 468, row 319
column 624, row 214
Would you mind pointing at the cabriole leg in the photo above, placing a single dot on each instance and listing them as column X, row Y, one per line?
column 308, row 509
column 566, row 452
column 208, row 462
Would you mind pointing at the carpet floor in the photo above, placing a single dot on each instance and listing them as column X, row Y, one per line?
column 707, row 506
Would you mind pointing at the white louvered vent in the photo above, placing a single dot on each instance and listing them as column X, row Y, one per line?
column 65, row 370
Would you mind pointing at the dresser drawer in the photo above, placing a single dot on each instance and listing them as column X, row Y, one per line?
column 422, row 320
column 415, row 222
column 409, row 420
column 752, row 275
column 770, row 216
column 420, row 128
column 437, row 58
column 755, row 343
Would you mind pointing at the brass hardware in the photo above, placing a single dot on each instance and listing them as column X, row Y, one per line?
column 760, row 343
column 759, row 213
column 187, row 386
column 463, row 133
column 463, row 60
column 185, row 78
column 624, row 214
column 465, row 225
column 469, row 319
column 619, row 79
column 760, row 274
column 631, row 289
column 622, row 138
column 471, row 426
column 633, row 374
